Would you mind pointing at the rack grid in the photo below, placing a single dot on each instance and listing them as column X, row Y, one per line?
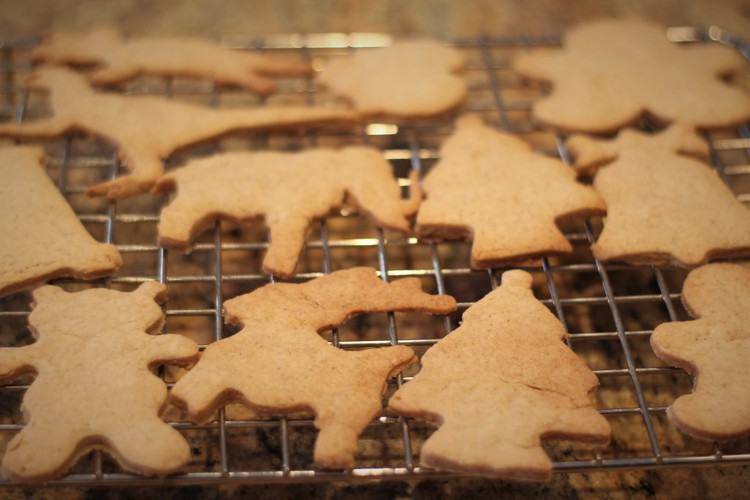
column 609, row 310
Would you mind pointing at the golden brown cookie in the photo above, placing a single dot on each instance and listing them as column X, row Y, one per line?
column 119, row 60
column 714, row 348
column 147, row 129
column 412, row 78
column 93, row 386
column 278, row 364
column 499, row 384
column 490, row 187
column 42, row 237
column 290, row 189
column 663, row 207
column 610, row 72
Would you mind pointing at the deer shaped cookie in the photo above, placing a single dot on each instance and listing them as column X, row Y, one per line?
column 610, row 72
column 499, row 384
column 663, row 206
column 146, row 129
column 279, row 364
column 119, row 60
column 93, row 386
column 714, row 348
column 290, row 189
column 493, row 189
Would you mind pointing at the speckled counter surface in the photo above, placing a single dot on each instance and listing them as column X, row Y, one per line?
column 440, row 18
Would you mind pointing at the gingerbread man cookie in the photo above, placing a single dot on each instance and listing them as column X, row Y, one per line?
column 42, row 236
column 93, row 386
column 664, row 206
column 611, row 72
column 278, row 364
column 714, row 348
column 499, row 384
column 119, row 60
column 490, row 187
column 290, row 189
column 147, row 129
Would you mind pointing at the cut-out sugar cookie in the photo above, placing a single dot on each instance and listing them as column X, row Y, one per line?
column 413, row 78
column 714, row 348
column 491, row 187
column 499, row 384
column 119, row 60
column 147, row 129
column 610, row 72
column 278, row 363
column 93, row 386
column 290, row 189
column 42, row 236
column 663, row 207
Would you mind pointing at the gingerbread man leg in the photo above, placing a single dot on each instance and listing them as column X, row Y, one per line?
column 155, row 448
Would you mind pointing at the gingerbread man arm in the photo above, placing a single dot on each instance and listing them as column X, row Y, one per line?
column 16, row 361
column 172, row 349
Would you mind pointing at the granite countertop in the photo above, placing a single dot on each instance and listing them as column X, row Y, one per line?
column 438, row 18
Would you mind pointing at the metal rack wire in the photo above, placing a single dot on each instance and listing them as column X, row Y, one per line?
column 494, row 92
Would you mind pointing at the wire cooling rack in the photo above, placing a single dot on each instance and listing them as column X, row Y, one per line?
column 609, row 310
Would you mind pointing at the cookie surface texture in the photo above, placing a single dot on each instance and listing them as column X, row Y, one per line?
column 93, row 386
column 409, row 78
column 119, row 60
column 610, row 72
column 290, row 189
column 42, row 236
column 147, row 129
column 279, row 364
column 490, row 187
column 714, row 348
column 664, row 204
column 498, row 384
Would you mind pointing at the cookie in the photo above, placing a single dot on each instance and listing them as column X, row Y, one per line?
column 290, row 189
column 147, row 129
column 119, row 60
column 412, row 78
column 609, row 73
column 664, row 205
column 500, row 383
column 714, row 349
column 490, row 187
column 93, row 388
column 42, row 236
column 278, row 363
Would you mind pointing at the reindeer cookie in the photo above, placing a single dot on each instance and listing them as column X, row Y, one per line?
column 714, row 348
column 290, row 189
column 278, row 364
column 121, row 60
column 93, row 386
column 499, row 384
column 146, row 129
column 663, row 206
column 42, row 236
column 413, row 78
column 611, row 72
column 490, row 187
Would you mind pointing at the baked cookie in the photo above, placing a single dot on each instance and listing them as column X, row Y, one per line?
column 119, row 60
column 147, row 129
column 491, row 187
column 498, row 384
column 93, row 388
column 412, row 78
column 663, row 206
column 290, row 189
column 278, row 364
column 714, row 348
column 42, row 236
column 610, row 72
